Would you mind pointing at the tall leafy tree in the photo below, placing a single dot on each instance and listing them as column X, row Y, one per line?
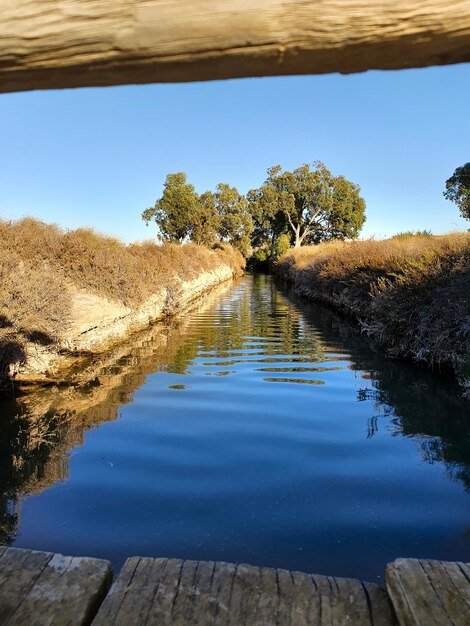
column 176, row 211
column 235, row 222
column 269, row 220
column 205, row 224
column 458, row 189
column 346, row 215
column 310, row 203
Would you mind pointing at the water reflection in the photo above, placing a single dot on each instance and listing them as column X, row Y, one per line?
column 315, row 472
column 407, row 400
column 38, row 431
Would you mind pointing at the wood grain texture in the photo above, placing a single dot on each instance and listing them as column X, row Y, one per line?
column 192, row 593
column 429, row 593
column 49, row 44
column 45, row 589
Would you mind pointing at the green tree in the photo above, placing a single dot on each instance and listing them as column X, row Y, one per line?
column 458, row 189
column 235, row 222
column 205, row 223
column 176, row 211
column 346, row 216
column 309, row 202
column 269, row 220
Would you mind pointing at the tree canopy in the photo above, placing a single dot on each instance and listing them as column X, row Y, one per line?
column 236, row 224
column 458, row 189
column 205, row 222
column 175, row 212
column 310, row 203
column 183, row 215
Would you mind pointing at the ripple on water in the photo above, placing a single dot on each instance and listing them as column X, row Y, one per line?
column 303, row 381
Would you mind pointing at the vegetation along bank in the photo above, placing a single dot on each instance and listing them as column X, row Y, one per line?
column 67, row 295
column 410, row 293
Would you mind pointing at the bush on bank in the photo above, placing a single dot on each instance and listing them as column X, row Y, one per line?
column 410, row 293
column 40, row 264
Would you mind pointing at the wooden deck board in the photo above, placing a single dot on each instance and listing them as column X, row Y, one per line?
column 267, row 601
column 204, row 609
column 429, row 593
column 183, row 593
column 221, row 591
column 379, row 604
column 42, row 588
column 305, row 610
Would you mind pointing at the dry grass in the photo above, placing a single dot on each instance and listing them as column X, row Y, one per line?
column 39, row 263
column 410, row 293
column 103, row 265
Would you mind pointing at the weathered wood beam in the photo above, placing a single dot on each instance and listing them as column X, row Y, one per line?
column 47, row 44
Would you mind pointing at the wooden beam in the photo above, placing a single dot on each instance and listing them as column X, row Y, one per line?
column 47, row 44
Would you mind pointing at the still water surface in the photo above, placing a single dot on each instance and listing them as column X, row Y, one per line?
column 254, row 429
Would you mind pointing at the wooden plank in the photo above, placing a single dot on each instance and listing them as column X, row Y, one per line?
column 268, row 599
column 110, row 608
column 47, row 44
column 285, row 591
column 19, row 570
column 429, row 593
column 42, row 588
column 348, row 601
column 183, row 605
column 351, row 603
column 452, row 595
column 205, row 609
column 324, row 592
column 245, row 594
column 184, row 593
column 135, row 607
column 379, row 605
column 459, row 573
column 306, row 609
column 143, row 592
column 164, row 598
column 221, row 591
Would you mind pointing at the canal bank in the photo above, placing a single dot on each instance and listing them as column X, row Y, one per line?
column 69, row 295
column 98, row 324
column 409, row 293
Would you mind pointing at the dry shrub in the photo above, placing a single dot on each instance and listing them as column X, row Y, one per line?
column 34, row 307
column 12, row 354
column 103, row 265
column 33, row 300
column 410, row 293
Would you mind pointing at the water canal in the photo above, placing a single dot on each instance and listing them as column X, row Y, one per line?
column 255, row 428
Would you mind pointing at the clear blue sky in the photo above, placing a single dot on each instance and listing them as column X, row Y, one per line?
column 98, row 157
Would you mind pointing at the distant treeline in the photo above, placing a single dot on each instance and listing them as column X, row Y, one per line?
column 305, row 206
column 308, row 205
